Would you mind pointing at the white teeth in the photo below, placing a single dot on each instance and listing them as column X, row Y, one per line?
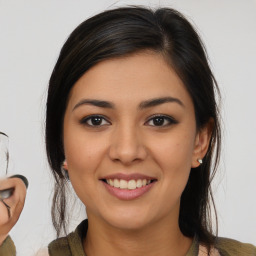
column 131, row 184
column 116, row 183
column 123, row 184
column 139, row 183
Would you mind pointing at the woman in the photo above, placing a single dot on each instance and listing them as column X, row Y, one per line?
column 132, row 122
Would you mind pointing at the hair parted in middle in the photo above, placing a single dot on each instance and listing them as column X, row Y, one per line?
column 118, row 33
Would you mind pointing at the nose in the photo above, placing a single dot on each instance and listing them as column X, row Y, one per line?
column 127, row 145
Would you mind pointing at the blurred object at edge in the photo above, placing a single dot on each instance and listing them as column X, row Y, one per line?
column 4, row 154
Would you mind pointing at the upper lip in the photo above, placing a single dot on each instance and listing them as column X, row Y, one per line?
column 131, row 176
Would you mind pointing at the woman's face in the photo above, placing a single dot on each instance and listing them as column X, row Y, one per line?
column 130, row 121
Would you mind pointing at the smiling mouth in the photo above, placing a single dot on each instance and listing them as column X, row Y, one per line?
column 128, row 184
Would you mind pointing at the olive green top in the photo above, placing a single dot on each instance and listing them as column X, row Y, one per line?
column 72, row 245
column 7, row 248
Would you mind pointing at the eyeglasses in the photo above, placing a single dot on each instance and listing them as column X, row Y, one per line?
column 4, row 161
column 4, row 154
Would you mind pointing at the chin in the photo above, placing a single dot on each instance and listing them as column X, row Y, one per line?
column 128, row 220
column 128, row 224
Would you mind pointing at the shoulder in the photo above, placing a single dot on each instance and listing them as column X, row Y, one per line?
column 60, row 246
column 230, row 247
column 71, row 244
column 7, row 247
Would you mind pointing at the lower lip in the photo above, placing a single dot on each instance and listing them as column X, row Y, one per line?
column 128, row 194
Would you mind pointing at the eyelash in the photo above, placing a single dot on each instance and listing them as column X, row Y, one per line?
column 169, row 119
column 86, row 119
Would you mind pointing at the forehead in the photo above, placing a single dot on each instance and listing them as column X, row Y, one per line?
column 130, row 79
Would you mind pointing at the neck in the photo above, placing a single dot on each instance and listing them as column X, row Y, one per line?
column 156, row 239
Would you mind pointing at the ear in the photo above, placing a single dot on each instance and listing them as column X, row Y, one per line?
column 65, row 165
column 202, row 141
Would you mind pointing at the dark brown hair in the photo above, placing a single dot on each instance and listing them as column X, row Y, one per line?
column 121, row 32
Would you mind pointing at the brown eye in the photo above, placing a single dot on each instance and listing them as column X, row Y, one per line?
column 95, row 120
column 158, row 121
column 161, row 120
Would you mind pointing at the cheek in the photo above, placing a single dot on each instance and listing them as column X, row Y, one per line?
column 174, row 152
column 83, row 153
column 173, row 156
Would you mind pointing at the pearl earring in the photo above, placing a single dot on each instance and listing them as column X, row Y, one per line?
column 200, row 161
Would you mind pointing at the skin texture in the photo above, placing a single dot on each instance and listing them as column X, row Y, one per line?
column 129, row 141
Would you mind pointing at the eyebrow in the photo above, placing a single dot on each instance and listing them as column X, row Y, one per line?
column 159, row 101
column 142, row 105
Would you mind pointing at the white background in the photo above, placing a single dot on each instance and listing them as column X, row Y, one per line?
column 31, row 35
